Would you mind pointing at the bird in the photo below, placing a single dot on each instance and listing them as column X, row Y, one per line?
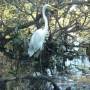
column 38, row 37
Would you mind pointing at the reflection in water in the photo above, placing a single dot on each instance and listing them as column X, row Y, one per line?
column 79, row 64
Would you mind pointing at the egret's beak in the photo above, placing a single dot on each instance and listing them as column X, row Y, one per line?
column 51, row 7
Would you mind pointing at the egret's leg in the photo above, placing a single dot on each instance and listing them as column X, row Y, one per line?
column 41, row 62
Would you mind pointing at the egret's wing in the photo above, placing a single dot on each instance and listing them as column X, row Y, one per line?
column 36, row 42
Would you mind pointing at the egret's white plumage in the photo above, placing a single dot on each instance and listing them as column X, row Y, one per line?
column 38, row 37
column 36, row 42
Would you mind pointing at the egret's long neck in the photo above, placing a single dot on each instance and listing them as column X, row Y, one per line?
column 45, row 19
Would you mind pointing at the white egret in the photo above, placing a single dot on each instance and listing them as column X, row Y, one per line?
column 38, row 37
